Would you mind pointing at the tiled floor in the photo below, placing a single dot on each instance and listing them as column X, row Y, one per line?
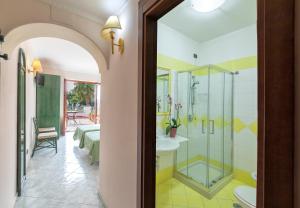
column 174, row 194
column 79, row 121
column 62, row 180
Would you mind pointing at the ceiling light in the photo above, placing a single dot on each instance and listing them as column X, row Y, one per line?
column 206, row 5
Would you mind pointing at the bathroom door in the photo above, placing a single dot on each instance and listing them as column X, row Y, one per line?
column 215, row 129
column 21, row 122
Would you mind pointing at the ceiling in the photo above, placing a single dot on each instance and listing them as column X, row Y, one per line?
column 231, row 16
column 94, row 9
column 63, row 55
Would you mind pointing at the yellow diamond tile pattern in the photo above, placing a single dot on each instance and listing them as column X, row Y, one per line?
column 163, row 122
column 219, row 122
column 174, row 194
column 238, row 125
column 196, row 120
column 184, row 121
column 253, row 127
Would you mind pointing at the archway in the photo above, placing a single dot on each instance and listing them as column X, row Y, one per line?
column 34, row 30
column 9, row 81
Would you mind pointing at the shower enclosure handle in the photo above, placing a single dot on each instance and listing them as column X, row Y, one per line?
column 203, row 129
column 212, row 126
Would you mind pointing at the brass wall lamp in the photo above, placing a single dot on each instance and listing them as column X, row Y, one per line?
column 36, row 67
column 108, row 33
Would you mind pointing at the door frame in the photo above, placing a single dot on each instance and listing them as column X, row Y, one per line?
column 275, row 28
column 20, row 177
column 65, row 100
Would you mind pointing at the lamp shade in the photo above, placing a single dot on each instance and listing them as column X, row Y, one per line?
column 112, row 23
column 36, row 65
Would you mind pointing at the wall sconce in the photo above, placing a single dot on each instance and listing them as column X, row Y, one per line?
column 3, row 56
column 108, row 33
column 36, row 67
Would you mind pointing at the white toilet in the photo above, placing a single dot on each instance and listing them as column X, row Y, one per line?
column 246, row 195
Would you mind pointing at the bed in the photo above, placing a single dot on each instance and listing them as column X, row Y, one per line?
column 89, row 138
column 81, row 130
column 92, row 144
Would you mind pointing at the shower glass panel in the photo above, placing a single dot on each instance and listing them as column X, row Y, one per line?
column 228, row 123
column 207, row 99
column 197, row 126
column 215, row 144
column 183, row 98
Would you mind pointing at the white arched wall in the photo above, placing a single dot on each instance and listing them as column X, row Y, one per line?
column 35, row 30
column 8, row 94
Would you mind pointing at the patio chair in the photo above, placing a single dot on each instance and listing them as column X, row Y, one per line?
column 45, row 137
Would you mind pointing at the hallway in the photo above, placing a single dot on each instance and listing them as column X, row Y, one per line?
column 64, row 180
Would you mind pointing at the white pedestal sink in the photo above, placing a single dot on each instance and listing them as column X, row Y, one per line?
column 167, row 144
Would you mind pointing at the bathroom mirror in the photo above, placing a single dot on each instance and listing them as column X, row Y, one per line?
column 163, row 90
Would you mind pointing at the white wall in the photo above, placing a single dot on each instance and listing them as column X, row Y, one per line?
column 8, row 124
column 233, row 45
column 118, row 149
column 238, row 44
column 8, row 130
column 174, row 44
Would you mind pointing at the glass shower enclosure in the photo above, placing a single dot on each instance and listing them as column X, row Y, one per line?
column 205, row 161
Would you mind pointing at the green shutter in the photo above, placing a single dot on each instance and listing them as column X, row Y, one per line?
column 48, row 102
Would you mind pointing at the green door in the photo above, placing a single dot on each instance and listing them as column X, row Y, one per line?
column 48, row 102
column 21, row 122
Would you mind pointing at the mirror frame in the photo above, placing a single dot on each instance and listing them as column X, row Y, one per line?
column 169, row 89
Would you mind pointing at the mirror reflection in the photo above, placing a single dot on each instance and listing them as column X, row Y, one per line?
column 163, row 90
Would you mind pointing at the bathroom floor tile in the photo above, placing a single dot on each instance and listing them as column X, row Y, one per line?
column 174, row 194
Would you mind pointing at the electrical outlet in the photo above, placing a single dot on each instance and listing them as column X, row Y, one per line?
column 195, row 55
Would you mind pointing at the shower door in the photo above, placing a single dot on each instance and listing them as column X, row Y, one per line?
column 215, row 145
column 197, row 126
column 207, row 99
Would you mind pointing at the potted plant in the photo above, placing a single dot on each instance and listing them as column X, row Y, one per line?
column 172, row 127
column 173, row 123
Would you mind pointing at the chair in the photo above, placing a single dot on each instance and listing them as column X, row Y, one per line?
column 44, row 135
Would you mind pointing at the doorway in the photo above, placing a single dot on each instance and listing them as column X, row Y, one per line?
column 81, row 104
column 275, row 146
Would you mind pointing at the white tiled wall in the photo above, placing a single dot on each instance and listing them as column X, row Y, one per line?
column 245, row 108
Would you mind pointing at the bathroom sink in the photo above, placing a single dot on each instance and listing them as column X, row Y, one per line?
column 166, row 145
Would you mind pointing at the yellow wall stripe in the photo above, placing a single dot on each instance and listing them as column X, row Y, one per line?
column 170, row 63
column 240, row 64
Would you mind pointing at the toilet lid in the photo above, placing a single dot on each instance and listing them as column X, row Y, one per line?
column 246, row 194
